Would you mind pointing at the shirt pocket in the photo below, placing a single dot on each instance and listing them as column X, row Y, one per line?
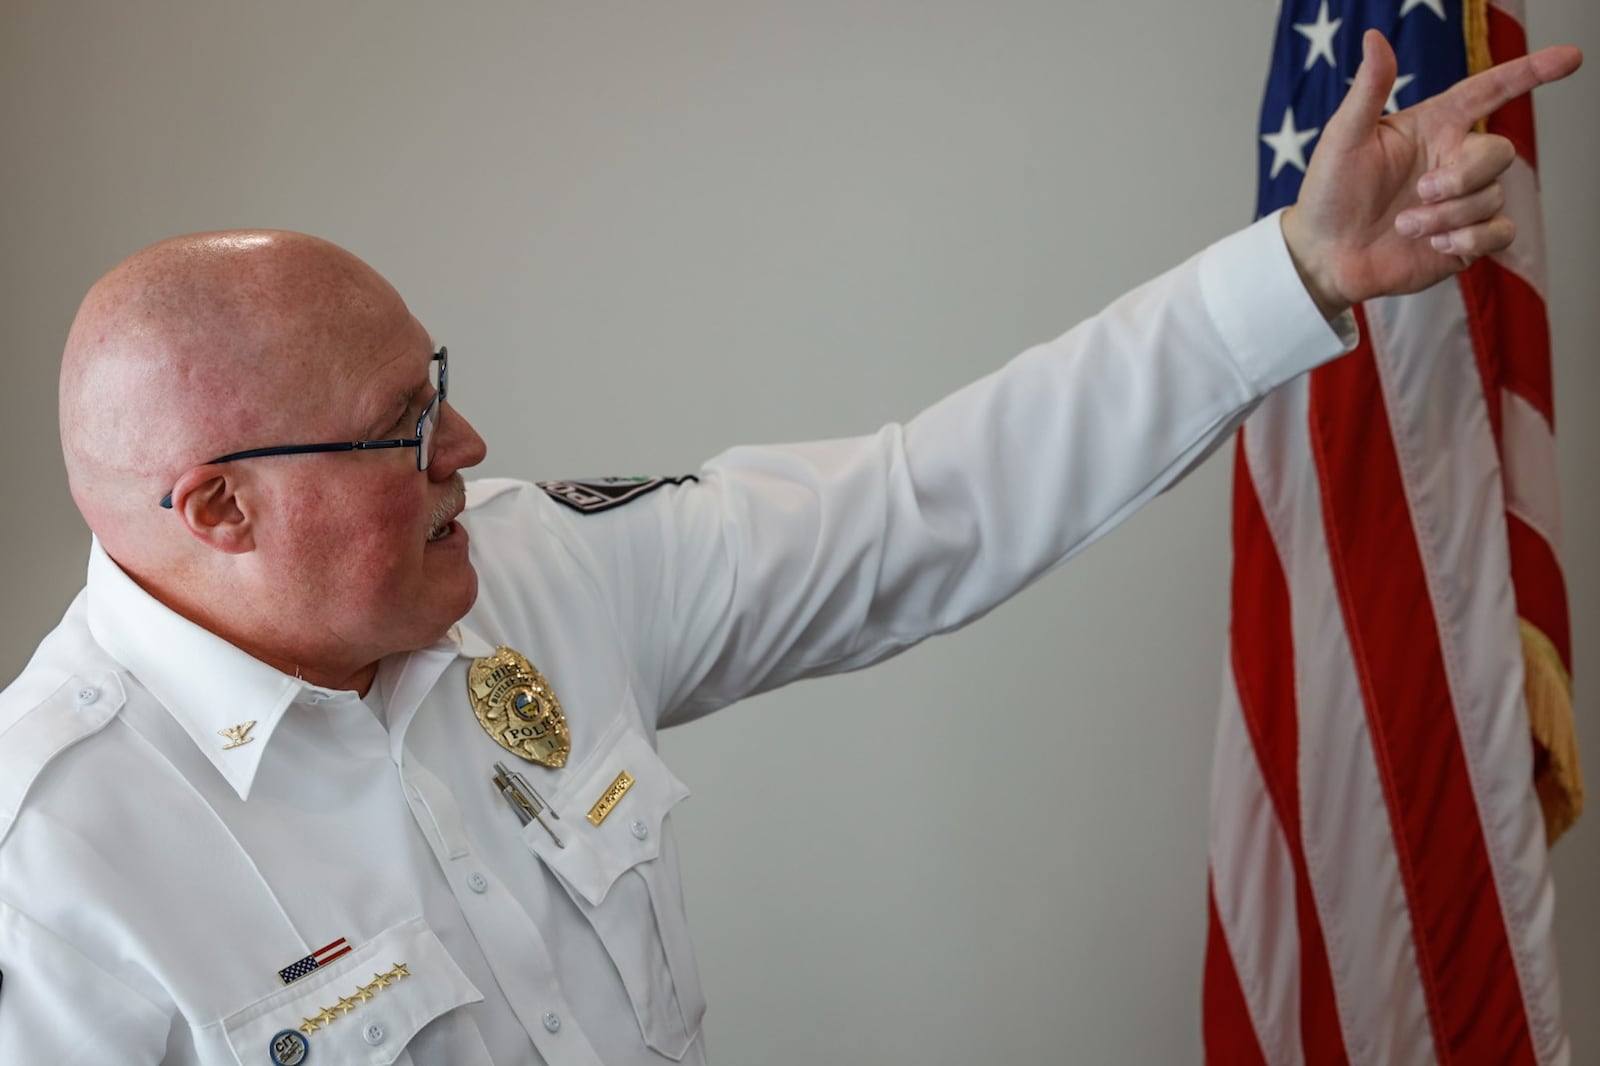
column 394, row 994
column 620, row 869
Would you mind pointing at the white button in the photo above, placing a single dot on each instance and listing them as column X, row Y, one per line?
column 86, row 694
column 638, row 829
column 478, row 883
column 552, row 1021
column 373, row 1034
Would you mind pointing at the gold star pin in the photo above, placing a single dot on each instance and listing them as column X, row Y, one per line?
column 309, row 1025
column 380, row 980
column 327, row 1017
column 399, row 970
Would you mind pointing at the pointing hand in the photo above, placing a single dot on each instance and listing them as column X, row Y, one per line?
column 1392, row 204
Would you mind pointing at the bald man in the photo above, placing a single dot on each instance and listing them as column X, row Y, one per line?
column 338, row 758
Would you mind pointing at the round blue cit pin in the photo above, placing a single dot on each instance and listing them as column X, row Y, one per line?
column 288, row 1048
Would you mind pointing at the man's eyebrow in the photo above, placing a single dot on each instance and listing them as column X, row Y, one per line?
column 403, row 399
column 396, row 409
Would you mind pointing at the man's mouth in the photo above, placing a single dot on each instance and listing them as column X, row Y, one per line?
column 446, row 511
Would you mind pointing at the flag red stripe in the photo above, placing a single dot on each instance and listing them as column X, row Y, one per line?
column 327, row 947
column 1463, row 955
column 1262, row 648
column 337, row 954
column 1512, row 337
column 1229, row 1034
column 1541, row 590
column 1507, row 40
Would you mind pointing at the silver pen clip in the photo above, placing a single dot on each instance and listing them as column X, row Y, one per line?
column 524, row 800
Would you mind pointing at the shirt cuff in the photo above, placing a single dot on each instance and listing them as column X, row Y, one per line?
column 1261, row 308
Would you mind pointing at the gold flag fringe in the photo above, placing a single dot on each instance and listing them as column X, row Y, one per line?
column 1476, row 25
column 1557, row 776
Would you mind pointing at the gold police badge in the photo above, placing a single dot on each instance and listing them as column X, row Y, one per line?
column 518, row 708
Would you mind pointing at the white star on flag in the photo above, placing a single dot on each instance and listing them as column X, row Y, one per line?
column 1320, row 34
column 1400, row 82
column 1288, row 144
column 1436, row 6
column 1394, row 92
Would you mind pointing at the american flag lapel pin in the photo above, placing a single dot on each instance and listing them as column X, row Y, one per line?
column 319, row 958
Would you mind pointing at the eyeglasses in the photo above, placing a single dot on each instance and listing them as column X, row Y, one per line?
column 424, row 441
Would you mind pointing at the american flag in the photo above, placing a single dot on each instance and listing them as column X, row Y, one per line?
column 1380, row 890
column 321, row 957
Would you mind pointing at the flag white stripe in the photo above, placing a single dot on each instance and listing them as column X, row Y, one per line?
column 1525, row 258
column 1252, row 874
column 1529, row 450
column 1449, row 466
column 1345, row 825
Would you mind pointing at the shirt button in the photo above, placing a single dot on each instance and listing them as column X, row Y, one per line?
column 478, row 883
column 373, row 1034
column 638, row 829
column 88, row 694
column 552, row 1021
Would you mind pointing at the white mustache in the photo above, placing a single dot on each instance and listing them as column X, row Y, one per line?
column 448, row 506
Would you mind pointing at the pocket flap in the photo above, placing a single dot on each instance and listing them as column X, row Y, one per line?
column 611, row 813
column 363, row 1009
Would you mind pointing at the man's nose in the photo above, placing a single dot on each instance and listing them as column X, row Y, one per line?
column 459, row 445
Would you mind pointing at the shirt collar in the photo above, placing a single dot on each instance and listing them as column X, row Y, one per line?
column 214, row 690
column 469, row 643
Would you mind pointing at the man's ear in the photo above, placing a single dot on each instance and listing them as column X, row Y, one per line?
column 207, row 499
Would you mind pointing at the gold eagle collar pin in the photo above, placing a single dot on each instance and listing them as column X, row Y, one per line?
column 237, row 736
column 518, row 708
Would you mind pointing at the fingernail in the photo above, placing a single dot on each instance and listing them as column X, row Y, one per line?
column 1442, row 243
column 1428, row 187
column 1408, row 225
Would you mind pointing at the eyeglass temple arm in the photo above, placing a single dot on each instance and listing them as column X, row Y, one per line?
column 306, row 449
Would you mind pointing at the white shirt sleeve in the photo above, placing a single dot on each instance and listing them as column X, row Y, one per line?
column 58, row 1006
column 791, row 561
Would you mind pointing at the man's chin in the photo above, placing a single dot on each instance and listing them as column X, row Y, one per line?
column 449, row 600
column 465, row 596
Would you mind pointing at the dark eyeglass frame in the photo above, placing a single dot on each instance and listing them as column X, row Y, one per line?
column 425, row 439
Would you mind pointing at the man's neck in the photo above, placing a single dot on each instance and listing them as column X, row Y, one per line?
column 356, row 676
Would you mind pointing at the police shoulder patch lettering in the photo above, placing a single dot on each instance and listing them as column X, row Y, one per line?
column 592, row 495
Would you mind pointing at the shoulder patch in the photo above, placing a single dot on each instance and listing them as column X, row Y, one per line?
column 593, row 495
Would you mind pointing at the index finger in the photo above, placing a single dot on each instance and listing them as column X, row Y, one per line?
column 1475, row 97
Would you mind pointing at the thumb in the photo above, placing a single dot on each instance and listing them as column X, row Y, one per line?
column 1369, row 94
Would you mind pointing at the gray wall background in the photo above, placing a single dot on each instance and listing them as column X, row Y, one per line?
column 649, row 230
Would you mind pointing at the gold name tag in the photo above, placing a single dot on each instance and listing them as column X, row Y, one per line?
column 608, row 799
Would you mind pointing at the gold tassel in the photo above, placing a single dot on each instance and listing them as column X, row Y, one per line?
column 1476, row 26
column 1557, row 777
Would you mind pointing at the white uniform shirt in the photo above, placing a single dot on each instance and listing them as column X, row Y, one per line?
column 154, row 882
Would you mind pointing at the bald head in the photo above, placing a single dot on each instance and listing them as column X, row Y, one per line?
column 201, row 345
